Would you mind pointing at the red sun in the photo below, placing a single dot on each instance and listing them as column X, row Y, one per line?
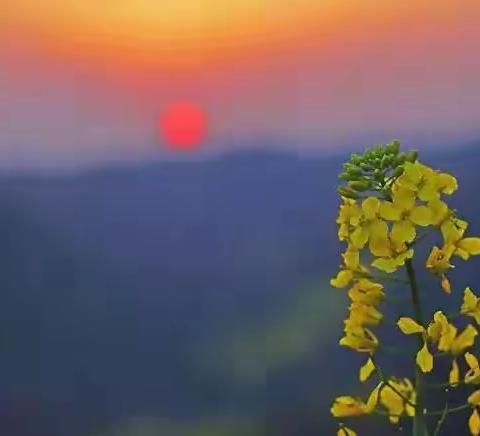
column 183, row 126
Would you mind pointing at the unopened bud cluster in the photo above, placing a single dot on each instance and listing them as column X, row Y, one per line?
column 375, row 169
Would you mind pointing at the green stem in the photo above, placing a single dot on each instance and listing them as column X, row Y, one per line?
column 419, row 421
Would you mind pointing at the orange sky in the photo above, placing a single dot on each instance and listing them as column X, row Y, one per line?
column 174, row 33
column 84, row 79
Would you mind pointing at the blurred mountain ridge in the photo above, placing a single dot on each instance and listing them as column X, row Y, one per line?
column 112, row 280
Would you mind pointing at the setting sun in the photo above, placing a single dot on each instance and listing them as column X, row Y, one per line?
column 183, row 126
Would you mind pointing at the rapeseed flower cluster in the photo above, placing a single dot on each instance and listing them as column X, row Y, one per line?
column 391, row 202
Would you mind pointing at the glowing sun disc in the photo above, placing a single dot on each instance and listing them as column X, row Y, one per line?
column 183, row 126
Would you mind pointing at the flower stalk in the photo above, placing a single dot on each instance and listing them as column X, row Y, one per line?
column 419, row 420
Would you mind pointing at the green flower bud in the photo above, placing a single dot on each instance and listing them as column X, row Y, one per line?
column 398, row 172
column 393, row 147
column 344, row 176
column 369, row 154
column 412, row 156
column 386, row 160
column 355, row 171
column 400, row 159
column 359, row 185
column 346, row 192
column 366, row 166
column 356, row 159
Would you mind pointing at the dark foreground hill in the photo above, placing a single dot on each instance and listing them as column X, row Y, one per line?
column 177, row 298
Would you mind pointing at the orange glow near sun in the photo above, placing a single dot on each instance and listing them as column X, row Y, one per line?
column 174, row 33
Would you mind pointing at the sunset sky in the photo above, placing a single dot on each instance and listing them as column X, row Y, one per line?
column 84, row 81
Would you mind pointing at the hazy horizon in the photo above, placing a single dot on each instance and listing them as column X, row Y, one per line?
column 321, row 76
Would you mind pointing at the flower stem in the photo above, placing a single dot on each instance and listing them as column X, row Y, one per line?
column 419, row 421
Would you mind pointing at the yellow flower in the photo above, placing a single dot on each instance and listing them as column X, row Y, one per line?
column 348, row 216
column 372, row 229
column 445, row 334
column 453, row 230
column 426, row 182
column 471, row 305
column 438, row 263
column 405, row 214
column 362, row 314
column 366, row 292
column 423, row 180
column 366, row 370
column 474, row 423
column 395, row 403
column 438, row 327
column 351, row 265
column 473, row 374
column 347, row 406
column 359, row 339
column 345, row 431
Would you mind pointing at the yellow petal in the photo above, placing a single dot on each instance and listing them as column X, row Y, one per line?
column 412, row 175
column 447, row 184
column 359, row 237
column 366, row 370
column 447, row 337
column 404, row 199
column 351, row 259
column 439, row 211
column 342, row 279
column 346, row 406
column 428, row 192
column 409, row 326
column 471, row 360
column 370, row 207
column 464, row 340
column 454, row 376
column 421, row 216
column 446, row 286
column 425, row 359
column 450, row 232
column 474, row 399
column 474, row 423
column 470, row 245
column 389, row 212
column 384, row 264
column 373, row 398
column 379, row 244
column 403, row 231
column 345, row 431
column 470, row 301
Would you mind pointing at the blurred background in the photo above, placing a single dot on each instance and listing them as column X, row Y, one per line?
column 167, row 201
